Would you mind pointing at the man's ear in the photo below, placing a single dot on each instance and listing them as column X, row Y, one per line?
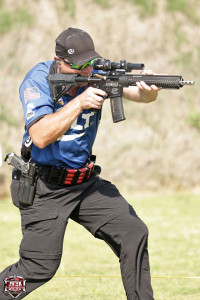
column 57, row 59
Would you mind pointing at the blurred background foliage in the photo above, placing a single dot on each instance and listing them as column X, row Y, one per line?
column 157, row 147
column 14, row 18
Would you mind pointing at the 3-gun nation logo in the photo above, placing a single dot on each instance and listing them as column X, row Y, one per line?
column 14, row 286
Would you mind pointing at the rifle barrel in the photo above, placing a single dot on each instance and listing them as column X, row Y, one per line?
column 183, row 82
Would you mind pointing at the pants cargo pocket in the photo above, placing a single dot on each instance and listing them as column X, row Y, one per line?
column 41, row 238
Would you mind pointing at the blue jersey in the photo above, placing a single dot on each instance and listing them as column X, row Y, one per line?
column 72, row 150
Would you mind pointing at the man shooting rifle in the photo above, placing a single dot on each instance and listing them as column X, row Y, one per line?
column 61, row 174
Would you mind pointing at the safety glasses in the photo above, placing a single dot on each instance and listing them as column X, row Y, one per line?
column 76, row 67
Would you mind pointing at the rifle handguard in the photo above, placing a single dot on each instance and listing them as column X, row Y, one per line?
column 164, row 81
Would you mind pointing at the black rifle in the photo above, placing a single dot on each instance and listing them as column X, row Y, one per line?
column 111, row 79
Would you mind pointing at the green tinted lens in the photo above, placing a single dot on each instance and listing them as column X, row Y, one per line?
column 76, row 67
column 83, row 66
column 91, row 62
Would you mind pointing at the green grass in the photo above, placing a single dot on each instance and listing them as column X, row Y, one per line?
column 194, row 119
column 14, row 19
column 148, row 8
column 174, row 226
column 5, row 116
column 102, row 3
column 70, row 5
column 188, row 8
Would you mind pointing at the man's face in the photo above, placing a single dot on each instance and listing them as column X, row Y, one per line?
column 66, row 69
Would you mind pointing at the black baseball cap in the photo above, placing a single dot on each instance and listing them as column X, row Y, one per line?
column 76, row 45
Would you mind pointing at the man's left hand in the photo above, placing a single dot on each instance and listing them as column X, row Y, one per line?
column 147, row 93
column 142, row 92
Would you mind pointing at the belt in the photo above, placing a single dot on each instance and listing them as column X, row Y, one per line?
column 65, row 176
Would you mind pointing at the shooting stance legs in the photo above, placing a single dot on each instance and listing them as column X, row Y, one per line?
column 100, row 208
column 127, row 236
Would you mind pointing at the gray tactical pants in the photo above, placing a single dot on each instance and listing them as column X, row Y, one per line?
column 99, row 207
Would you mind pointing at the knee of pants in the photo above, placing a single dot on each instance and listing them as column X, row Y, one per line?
column 133, row 229
column 40, row 268
column 142, row 227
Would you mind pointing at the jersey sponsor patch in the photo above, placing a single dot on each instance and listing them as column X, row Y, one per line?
column 31, row 94
column 30, row 113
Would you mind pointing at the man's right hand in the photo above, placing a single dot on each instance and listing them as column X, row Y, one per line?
column 52, row 126
column 91, row 98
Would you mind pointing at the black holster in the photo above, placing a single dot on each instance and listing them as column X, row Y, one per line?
column 27, row 186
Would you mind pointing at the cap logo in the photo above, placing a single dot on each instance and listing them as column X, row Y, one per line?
column 71, row 51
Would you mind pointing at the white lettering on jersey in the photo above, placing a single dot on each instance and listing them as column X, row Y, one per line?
column 76, row 126
column 87, row 118
column 87, row 122
column 71, row 137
